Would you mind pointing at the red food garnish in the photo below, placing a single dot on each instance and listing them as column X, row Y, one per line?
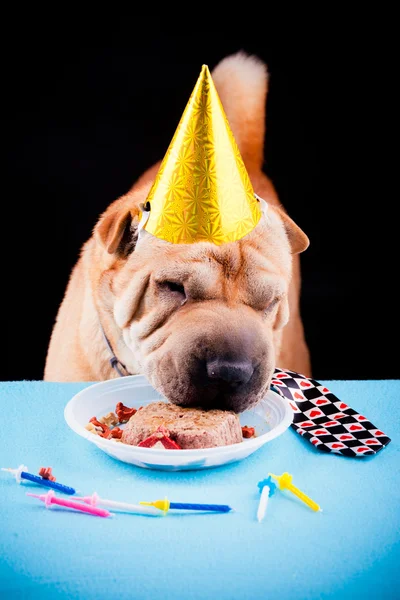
column 160, row 435
column 45, row 473
column 104, row 429
column 124, row 413
column 170, row 444
column 248, row 432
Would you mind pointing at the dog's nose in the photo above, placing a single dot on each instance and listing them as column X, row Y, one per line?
column 232, row 372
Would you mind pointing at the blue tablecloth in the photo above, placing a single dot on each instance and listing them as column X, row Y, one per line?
column 350, row 550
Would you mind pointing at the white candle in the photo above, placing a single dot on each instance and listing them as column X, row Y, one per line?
column 262, row 506
column 94, row 499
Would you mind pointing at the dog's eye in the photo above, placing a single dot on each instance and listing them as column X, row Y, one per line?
column 171, row 286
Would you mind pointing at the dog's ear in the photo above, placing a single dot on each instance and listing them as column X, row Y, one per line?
column 117, row 227
column 297, row 238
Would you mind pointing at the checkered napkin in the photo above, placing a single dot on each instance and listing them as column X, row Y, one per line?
column 327, row 422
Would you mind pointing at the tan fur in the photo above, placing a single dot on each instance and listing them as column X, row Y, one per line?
column 227, row 285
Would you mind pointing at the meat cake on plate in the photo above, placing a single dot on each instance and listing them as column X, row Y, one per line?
column 188, row 427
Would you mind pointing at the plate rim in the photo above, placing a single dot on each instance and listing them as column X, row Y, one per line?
column 153, row 452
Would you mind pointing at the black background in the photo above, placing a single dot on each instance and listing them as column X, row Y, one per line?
column 86, row 119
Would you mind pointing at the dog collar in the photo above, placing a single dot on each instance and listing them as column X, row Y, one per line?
column 115, row 363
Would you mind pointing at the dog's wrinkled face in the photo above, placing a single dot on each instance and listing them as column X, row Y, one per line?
column 199, row 320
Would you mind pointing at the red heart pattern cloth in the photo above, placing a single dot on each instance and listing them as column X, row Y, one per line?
column 327, row 422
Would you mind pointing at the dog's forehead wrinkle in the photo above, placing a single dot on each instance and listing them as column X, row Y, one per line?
column 229, row 256
column 235, row 272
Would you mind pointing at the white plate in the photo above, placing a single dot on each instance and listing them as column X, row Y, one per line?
column 271, row 417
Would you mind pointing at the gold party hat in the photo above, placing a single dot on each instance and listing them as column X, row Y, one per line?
column 202, row 192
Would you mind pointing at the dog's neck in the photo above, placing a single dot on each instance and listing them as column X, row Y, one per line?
column 102, row 346
column 116, row 359
column 115, row 363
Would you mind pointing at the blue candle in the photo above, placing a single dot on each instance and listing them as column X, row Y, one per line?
column 20, row 474
column 208, row 507
column 165, row 506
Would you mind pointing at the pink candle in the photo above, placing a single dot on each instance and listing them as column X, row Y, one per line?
column 50, row 498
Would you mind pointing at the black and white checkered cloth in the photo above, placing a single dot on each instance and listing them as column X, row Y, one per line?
column 327, row 422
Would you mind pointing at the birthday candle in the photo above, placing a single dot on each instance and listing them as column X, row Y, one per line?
column 50, row 498
column 22, row 473
column 94, row 499
column 165, row 505
column 267, row 488
column 285, row 483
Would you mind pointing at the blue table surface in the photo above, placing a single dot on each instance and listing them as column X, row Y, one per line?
column 350, row 550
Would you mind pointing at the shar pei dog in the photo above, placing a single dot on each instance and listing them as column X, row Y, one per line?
column 206, row 324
